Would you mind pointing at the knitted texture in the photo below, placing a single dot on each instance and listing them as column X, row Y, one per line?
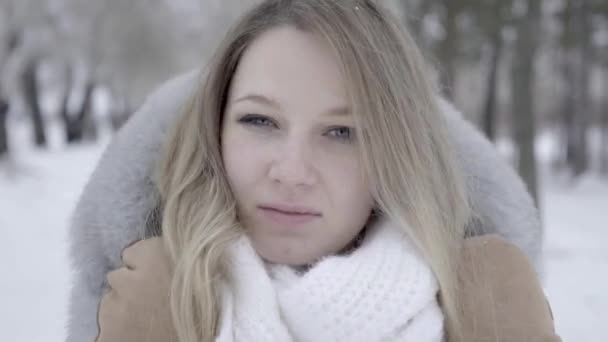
column 382, row 291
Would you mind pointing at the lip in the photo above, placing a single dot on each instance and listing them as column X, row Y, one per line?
column 287, row 214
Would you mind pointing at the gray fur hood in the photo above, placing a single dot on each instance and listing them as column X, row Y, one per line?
column 119, row 197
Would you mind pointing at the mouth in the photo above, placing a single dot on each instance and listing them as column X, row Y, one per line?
column 291, row 215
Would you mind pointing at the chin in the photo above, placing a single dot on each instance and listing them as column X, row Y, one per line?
column 288, row 256
column 288, row 259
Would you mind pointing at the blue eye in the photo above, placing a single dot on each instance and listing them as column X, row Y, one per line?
column 341, row 133
column 257, row 120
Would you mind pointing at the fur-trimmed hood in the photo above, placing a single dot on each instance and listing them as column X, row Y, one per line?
column 120, row 196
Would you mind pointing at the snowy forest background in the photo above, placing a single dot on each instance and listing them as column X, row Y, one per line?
column 532, row 74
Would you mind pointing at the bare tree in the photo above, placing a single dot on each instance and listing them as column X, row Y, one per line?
column 3, row 128
column 600, row 9
column 448, row 47
column 29, row 81
column 26, row 24
column 604, row 139
column 78, row 124
column 576, row 63
column 489, row 107
column 492, row 17
column 522, row 92
column 603, row 118
column 4, row 104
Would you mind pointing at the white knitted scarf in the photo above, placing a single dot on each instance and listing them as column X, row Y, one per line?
column 382, row 291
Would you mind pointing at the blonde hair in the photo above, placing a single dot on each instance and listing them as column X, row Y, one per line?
column 403, row 144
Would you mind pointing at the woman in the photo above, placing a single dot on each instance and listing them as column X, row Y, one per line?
column 309, row 193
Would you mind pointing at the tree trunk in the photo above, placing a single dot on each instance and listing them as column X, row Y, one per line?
column 604, row 131
column 448, row 49
column 31, row 94
column 3, row 128
column 576, row 107
column 89, row 129
column 522, row 95
column 64, row 113
column 14, row 39
column 489, row 108
column 604, row 143
column 64, row 109
column 568, row 113
column 78, row 125
column 581, row 88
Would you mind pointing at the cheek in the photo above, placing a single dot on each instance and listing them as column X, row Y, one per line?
column 352, row 195
column 343, row 172
column 349, row 189
column 243, row 161
column 234, row 160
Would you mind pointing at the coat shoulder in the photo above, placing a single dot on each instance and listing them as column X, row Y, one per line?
column 501, row 293
column 495, row 248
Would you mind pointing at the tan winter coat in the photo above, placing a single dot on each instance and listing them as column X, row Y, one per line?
column 502, row 296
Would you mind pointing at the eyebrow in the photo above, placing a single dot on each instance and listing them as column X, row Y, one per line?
column 265, row 100
column 339, row 111
column 261, row 99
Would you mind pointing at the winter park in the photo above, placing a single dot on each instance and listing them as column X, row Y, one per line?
column 89, row 90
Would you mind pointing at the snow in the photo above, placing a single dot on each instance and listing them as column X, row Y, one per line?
column 38, row 190
column 37, row 193
column 576, row 220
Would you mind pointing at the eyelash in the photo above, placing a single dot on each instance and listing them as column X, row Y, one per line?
column 254, row 120
column 261, row 121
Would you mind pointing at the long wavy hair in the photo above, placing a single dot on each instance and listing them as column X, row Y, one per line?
column 403, row 144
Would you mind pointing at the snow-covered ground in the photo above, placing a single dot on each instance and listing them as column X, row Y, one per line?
column 576, row 247
column 37, row 194
column 38, row 190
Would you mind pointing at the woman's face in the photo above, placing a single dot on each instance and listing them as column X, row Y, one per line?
column 290, row 152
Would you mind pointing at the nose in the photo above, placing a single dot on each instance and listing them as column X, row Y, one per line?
column 293, row 167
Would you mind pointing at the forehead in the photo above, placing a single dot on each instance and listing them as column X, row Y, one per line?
column 294, row 67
